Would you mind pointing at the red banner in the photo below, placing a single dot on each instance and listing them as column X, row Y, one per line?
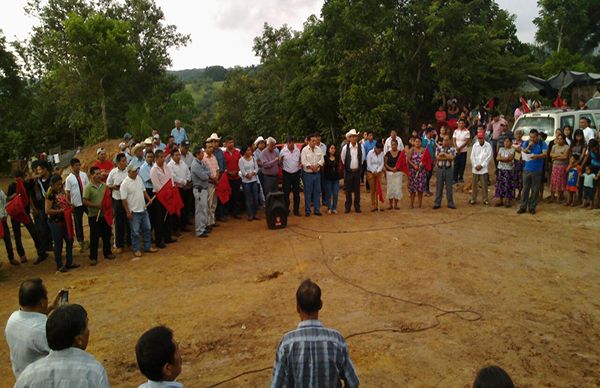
column 524, row 106
column 69, row 222
column 402, row 164
column 223, row 189
column 426, row 160
column 22, row 192
column 16, row 210
column 170, row 198
column 1, row 230
column 559, row 102
column 106, row 207
column 379, row 189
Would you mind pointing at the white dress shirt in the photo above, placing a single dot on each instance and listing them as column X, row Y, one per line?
column 388, row 144
column 72, row 186
column 116, row 177
column 588, row 134
column 161, row 384
column 133, row 191
column 26, row 337
column 71, row 367
column 181, row 172
column 374, row 162
column 311, row 157
column 481, row 156
column 354, row 162
column 291, row 159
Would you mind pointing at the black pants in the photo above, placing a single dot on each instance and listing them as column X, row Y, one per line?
column 187, row 196
column 291, row 183
column 363, row 171
column 43, row 231
column 162, row 224
column 7, row 241
column 78, row 221
column 122, row 233
column 352, row 186
column 233, row 206
column 16, row 227
column 459, row 166
column 99, row 229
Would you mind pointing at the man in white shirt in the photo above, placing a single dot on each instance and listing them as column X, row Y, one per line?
column 312, row 163
column 374, row 173
column 26, row 329
column 68, row 364
column 461, row 139
column 133, row 194
column 290, row 157
column 481, row 154
column 158, row 358
column 352, row 157
column 116, row 176
column 388, row 142
column 584, row 125
column 74, row 186
column 183, row 180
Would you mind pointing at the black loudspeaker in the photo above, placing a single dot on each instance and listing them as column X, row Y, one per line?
column 276, row 211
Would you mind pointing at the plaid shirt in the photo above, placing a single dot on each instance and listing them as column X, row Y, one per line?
column 71, row 367
column 26, row 336
column 445, row 150
column 313, row 356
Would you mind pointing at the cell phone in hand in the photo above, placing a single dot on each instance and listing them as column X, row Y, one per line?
column 64, row 297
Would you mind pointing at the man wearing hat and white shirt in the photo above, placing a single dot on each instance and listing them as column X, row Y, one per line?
column 115, row 178
column 259, row 145
column 148, row 145
column 157, row 143
column 133, row 193
column 290, row 158
column 481, row 154
column 138, row 155
column 179, row 134
column 270, row 166
column 74, row 185
column 218, row 153
column 210, row 161
column 352, row 157
column 312, row 163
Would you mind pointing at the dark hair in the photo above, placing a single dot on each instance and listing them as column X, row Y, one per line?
column 495, row 113
column 493, row 377
column 580, row 133
column 44, row 164
column 369, row 133
column 55, row 178
column 481, row 126
column 170, row 137
column 461, row 119
column 31, row 292
column 158, row 153
column 74, row 161
column 197, row 149
column 308, row 296
column 587, row 119
column 394, row 141
column 227, row 138
column 243, row 149
column 18, row 174
column 120, row 156
column 64, row 324
column 93, row 170
column 154, row 349
column 533, row 130
column 379, row 144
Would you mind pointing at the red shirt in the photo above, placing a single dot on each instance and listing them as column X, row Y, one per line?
column 231, row 163
column 440, row 116
column 104, row 167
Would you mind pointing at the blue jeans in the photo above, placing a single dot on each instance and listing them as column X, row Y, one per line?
column 59, row 233
column 332, row 189
column 140, row 222
column 312, row 191
column 251, row 197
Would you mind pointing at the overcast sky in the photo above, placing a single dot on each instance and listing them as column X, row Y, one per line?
column 223, row 31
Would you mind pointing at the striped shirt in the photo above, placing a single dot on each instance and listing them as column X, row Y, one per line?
column 71, row 367
column 313, row 356
column 26, row 337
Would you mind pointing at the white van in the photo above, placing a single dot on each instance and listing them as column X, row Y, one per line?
column 549, row 120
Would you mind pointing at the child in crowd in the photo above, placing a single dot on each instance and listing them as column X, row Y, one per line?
column 588, row 186
column 573, row 173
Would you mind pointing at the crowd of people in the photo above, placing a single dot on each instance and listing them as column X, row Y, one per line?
column 48, row 341
column 152, row 192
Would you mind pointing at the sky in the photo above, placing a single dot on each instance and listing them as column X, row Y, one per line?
column 223, row 31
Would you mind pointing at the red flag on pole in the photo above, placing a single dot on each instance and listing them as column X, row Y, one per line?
column 22, row 192
column 379, row 189
column 426, row 160
column 16, row 210
column 402, row 164
column 223, row 189
column 170, row 198
column 106, row 207
column 559, row 102
column 525, row 106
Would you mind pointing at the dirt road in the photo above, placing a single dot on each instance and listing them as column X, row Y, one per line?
column 530, row 284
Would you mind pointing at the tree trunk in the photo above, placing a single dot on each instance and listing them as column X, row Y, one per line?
column 560, row 34
column 103, row 110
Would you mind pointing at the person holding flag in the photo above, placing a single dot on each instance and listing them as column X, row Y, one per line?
column 59, row 213
column 74, row 186
column 164, row 189
column 93, row 197
column 5, row 232
column 375, row 165
column 419, row 162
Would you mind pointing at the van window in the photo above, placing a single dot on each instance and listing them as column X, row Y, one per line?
column 589, row 116
column 542, row 124
column 567, row 120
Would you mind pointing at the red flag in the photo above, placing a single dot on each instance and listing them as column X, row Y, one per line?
column 170, row 198
column 106, row 206
column 525, row 106
column 491, row 103
column 1, row 230
column 426, row 160
column 223, row 189
column 559, row 102
column 402, row 164
column 379, row 190
column 22, row 191
column 16, row 210
column 68, row 214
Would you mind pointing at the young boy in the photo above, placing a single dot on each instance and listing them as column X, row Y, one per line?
column 573, row 174
column 588, row 186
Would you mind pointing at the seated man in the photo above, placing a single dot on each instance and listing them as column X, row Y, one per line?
column 312, row 355
column 67, row 365
column 26, row 329
column 158, row 358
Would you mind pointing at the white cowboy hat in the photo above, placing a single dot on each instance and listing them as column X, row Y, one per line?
column 271, row 140
column 136, row 147
column 352, row 132
column 258, row 140
column 213, row 137
column 148, row 140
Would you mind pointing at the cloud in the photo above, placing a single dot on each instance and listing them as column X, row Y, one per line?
column 525, row 11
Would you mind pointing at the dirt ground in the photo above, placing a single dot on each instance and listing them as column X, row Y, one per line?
column 530, row 284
